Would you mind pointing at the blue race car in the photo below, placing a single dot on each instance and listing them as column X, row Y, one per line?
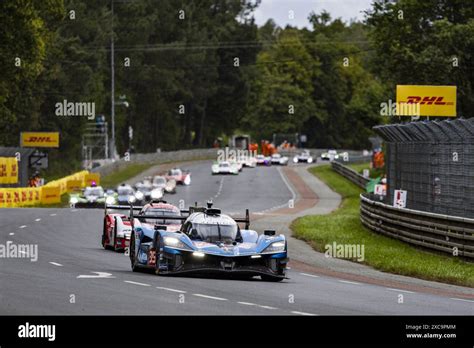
column 207, row 242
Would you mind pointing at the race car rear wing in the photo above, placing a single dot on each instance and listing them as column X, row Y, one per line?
column 120, row 207
column 245, row 220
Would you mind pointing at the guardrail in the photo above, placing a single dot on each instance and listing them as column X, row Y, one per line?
column 449, row 234
column 350, row 174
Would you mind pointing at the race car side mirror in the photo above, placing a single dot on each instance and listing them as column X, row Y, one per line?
column 269, row 232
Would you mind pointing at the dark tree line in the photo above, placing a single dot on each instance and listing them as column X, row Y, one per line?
column 193, row 71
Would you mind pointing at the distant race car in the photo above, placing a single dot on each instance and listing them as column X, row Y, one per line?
column 224, row 167
column 330, row 155
column 279, row 159
column 181, row 177
column 92, row 197
column 143, row 191
column 207, row 242
column 117, row 227
column 263, row 161
column 250, row 162
column 304, row 157
column 126, row 195
column 168, row 186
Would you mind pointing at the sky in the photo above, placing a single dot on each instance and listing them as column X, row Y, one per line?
column 279, row 10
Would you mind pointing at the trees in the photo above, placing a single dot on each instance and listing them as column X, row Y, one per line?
column 425, row 42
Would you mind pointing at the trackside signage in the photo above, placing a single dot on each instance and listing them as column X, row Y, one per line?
column 432, row 100
column 39, row 139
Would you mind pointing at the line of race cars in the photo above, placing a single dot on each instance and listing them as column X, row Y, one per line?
column 160, row 237
column 163, row 239
column 149, row 188
column 235, row 165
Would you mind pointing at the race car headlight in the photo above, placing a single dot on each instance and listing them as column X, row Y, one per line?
column 310, row 159
column 336, row 156
column 275, row 247
column 139, row 195
column 173, row 242
column 295, row 159
column 110, row 200
column 73, row 200
column 132, row 199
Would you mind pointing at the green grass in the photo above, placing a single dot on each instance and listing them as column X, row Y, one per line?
column 118, row 177
column 383, row 253
column 359, row 168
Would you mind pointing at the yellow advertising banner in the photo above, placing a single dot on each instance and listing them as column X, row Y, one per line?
column 74, row 185
column 8, row 170
column 39, row 139
column 50, row 194
column 426, row 100
column 92, row 177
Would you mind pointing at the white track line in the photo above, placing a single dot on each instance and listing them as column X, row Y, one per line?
column 398, row 290
column 349, row 282
column 266, row 307
column 309, row 275
column 22, row 226
column 52, row 214
column 461, row 299
column 211, row 297
column 173, row 290
column 11, row 234
column 303, row 313
column 55, row 264
column 247, row 303
column 39, row 219
column 136, row 283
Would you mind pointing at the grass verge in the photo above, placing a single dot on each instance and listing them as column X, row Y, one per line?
column 383, row 253
column 118, row 177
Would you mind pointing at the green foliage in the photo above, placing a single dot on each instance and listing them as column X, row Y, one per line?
column 425, row 43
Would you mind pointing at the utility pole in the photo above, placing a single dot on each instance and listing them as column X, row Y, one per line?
column 112, row 92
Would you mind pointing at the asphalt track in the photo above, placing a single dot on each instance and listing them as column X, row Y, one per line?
column 63, row 279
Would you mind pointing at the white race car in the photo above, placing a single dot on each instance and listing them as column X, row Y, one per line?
column 305, row 156
column 330, row 155
column 279, row 159
column 168, row 186
column 224, row 167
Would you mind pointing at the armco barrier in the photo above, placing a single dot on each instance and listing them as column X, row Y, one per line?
column 350, row 174
column 449, row 234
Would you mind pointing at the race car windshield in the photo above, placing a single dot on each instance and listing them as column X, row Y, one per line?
column 162, row 212
column 175, row 172
column 159, row 181
column 213, row 233
column 94, row 191
column 124, row 191
column 224, row 165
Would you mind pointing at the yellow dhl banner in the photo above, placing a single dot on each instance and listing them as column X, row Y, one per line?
column 39, row 139
column 50, row 194
column 426, row 100
column 19, row 197
column 47, row 194
column 8, row 170
column 92, row 177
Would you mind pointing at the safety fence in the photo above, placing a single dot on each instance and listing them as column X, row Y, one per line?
column 449, row 234
column 350, row 174
column 47, row 194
